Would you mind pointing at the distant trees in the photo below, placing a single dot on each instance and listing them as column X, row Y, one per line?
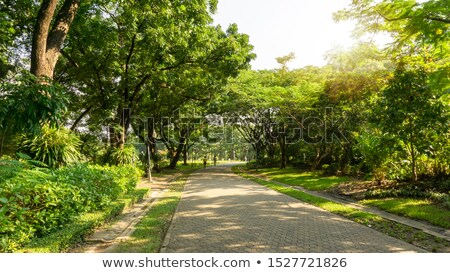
column 362, row 113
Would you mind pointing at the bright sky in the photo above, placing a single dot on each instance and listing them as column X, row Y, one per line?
column 278, row 27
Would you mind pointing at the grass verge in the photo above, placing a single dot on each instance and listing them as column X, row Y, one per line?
column 308, row 180
column 414, row 208
column 150, row 231
column 394, row 229
column 420, row 209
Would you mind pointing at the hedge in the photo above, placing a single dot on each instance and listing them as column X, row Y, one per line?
column 35, row 202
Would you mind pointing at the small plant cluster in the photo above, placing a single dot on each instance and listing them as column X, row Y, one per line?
column 36, row 201
column 410, row 191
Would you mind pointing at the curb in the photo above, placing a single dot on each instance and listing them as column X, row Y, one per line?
column 125, row 227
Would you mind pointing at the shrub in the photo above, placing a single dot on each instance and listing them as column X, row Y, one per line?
column 330, row 169
column 100, row 184
column 412, row 192
column 122, row 156
column 54, row 147
column 9, row 169
column 34, row 202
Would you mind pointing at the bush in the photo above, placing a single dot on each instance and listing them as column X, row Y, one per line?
column 100, row 184
column 35, row 202
column 412, row 192
column 54, row 147
column 330, row 169
column 125, row 156
column 32, row 205
column 9, row 168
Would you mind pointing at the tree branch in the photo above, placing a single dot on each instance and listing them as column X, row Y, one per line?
column 85, row 112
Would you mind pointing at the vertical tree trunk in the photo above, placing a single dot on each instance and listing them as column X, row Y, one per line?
column 176, row 157
column 185, row 151
column 283, row 151
column 152, row 143
column 47, row 39
column 413, row 159
column 180, row 147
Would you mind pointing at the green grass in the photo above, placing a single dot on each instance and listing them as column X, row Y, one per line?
column 419, row 209
column 308, row 180
column 150, row 231
column 179, row 169
column 394, row 229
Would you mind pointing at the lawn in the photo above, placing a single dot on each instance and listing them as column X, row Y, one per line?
column 308, row 180
column 419, row 209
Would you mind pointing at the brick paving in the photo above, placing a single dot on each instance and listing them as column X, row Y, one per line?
column 221, row 212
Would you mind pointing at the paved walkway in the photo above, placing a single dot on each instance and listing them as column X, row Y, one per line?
column 222, row 212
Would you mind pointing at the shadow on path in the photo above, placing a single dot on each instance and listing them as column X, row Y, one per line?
column 222, row 212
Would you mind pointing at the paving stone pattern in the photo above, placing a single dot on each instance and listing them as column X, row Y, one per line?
column 221, row 212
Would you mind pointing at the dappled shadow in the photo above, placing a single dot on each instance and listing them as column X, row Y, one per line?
column 221, row 212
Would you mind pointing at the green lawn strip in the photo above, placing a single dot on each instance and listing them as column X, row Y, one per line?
column 149, row 233
column 420, row 209
column 394, row 229
column 179, row 169
column 308, row 180
column 74, row 233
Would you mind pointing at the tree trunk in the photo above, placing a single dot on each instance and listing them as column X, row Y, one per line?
column 413, row 159
column 179, row 150
column 151, row 137
column 185, row 157
column 46, row 43
column 317, row 159
column 176, row 157
column 283, row 151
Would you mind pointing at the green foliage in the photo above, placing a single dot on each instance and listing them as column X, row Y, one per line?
column 407, row 20
column 55, row 147
column 126, row 155
column 99, row 185
column 72, row 234
column 410, row 112
column 26, row 104
column 32, row 205
column 375, row 152
column 9, row 168
column 35, row 202
column 440, row 198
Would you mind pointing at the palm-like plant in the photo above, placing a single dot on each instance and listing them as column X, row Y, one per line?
column 54, row 147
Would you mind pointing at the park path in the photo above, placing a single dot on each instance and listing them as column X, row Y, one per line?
column 220, row 212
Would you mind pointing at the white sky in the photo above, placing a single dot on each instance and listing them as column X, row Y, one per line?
column 278, row 27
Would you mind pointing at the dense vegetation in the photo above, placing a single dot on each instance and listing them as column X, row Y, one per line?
column 93, row 93
column 80, row 82
column 36, row 201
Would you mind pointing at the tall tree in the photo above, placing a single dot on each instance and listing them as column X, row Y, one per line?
column 49, row 35
column 409, row 112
